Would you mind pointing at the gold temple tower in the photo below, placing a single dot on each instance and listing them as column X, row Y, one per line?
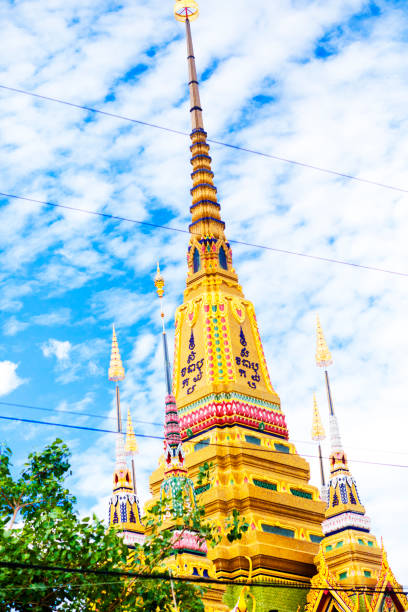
column 349, row 556
column 230, row 414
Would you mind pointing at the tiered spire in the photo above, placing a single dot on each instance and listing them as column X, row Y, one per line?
column 177, row 490
column 205, row 210
column 124, row 508
column 344, row 509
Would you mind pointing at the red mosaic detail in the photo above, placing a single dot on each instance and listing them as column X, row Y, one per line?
column 233, row 413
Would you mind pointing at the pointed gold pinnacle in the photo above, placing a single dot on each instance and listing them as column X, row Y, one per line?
column 130, row 444
column 116, row 370
column 318, row 432
column 323, row 355
column 159, row 282
column 186, row 9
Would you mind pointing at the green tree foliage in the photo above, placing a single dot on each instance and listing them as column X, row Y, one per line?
column 39, row 525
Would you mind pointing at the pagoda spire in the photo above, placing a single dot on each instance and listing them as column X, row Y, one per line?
column 207, row 228
column 318, row 434
column 324, row 360
column 124, row 507
column 344, row 509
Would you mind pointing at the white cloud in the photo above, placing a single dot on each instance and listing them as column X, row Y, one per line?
column 61, row 350
column 9, row 379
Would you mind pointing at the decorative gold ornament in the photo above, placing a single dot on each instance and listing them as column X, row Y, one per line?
column 323, row 355
column 159, row 282
column 116, row 370
column 318, row 432
column 186, row 9
column 130, row 444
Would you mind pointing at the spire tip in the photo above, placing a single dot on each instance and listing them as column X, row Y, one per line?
column 186, row 10
column 323, row 355
column 159, row 282
column 116, row 369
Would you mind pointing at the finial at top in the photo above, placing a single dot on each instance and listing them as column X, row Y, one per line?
column 186, row 10
column 159, row 282
column 318, row 432
column 323, row 355
column 116, row 370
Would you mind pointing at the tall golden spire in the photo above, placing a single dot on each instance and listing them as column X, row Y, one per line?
column 124, row 510
column 205, row 210
column 116, row 373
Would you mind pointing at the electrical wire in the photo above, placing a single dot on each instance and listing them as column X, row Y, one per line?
column 287, row 583
column 342, row 262
column 217, row 444
column 74, row 412
column 217, row 142
column 161, row 425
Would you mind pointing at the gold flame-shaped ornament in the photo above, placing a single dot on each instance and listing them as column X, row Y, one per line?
column 318, row 432
column 159, row 282
column 130, row 444
column 116, row 370
column 323, row 355
column 186, row 9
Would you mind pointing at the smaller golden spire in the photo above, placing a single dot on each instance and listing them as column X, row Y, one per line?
column 318, row 432
column 323, row 355
column 159, row 282
column 116, row 370
column 131, row 444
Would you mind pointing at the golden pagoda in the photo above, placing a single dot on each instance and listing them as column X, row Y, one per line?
column 229, row 413
column 349, row 556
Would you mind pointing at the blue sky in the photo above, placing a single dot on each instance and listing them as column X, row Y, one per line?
column 322, row 83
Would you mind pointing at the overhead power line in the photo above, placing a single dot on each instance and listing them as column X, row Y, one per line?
column 75, row 412
column 287, row 583
column 184, row 231
column 286, row 160
column 217, row 444
column 161, row 424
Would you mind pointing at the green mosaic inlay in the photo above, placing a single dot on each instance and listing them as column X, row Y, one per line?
column 339, row 544
column 329, row 547
column 300, row 493
column 253, row 440
column 367, row 573
column 316, row 539
column 202, row 444
column 343, row 575
column 288, row 533
column 282, row 448
column 265, row 485
column 203, row 488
